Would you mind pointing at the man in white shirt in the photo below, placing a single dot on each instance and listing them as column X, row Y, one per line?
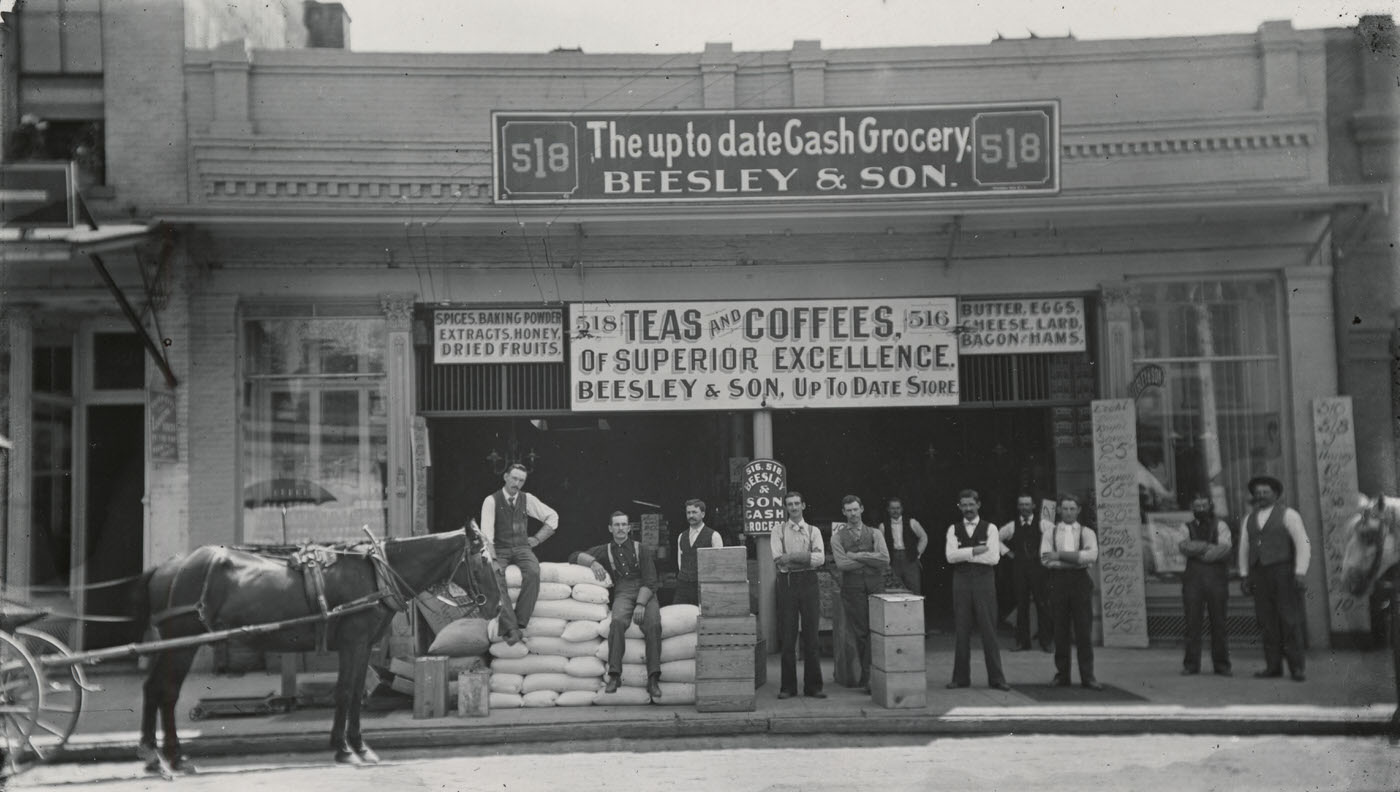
column 973, row 547
column 1274, row 557
column 697, row 535
column 907, row 542
column 798, row 553
column 505, row 516
column 1067, row 551
column 1020, row 540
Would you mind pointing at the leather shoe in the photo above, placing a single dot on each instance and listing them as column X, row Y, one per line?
column 654, row 687
column 1299, row 676
column 1060, row 681
column 1224, row 672
column 1190, row 671
column 613, row 684
column 1093, row 684
column 1267, row 674
column 815, row 694
column 1001, row 686
column 956, row 685
column 1047, row 648
column 784, row 694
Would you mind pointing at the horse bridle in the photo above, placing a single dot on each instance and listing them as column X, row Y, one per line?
column 476, row 596
column 1374, row 512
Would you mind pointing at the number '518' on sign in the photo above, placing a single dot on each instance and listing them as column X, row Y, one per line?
column 1011, row 148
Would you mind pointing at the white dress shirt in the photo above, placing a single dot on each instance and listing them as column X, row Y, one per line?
column 1069, row 538
column 534, row 507
column 693, row 534
column 960, row 555
column 796, row 537
column 1293, row 523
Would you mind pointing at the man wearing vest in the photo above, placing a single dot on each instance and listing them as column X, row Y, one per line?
column 973, row 548
column 1020, row 540
column 505, row 517
column 907, row 542
column 798, row 553
column 1067, row 551
column 1274, row 556
column 862, row 558
column 687, row 563
column 634, row 584
column 1205, row 586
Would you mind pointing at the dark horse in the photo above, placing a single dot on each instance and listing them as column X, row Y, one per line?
column 218, row 588
column 1371, row 567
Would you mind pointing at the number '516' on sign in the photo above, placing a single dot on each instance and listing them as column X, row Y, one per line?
column 1011, row 148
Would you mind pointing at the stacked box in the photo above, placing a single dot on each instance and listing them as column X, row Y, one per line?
column 430, row 693
column 728, row 632
column 898, row 674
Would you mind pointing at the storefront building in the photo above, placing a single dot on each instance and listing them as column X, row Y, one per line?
column 379, row 279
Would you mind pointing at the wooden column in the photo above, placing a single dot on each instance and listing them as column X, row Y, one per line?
column 19, row 327
column 763, row 552
column 398, row 315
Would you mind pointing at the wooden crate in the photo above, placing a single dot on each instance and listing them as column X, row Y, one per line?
column 899, row 689
column 897, row 614
column 724, row 598
column 727, row 631
column 724, row 695
column 474, row 694
column 430, row 696
column 897, row 653
column 760, row 663
column 724, row 662
column 718, row 564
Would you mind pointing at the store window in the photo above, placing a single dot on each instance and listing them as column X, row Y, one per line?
column 1208, row 384
column 51, row 488
column 315, row 429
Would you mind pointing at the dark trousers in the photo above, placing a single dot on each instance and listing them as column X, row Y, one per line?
column 1028, row 580
column 623, row 604
column 975, row 602
column 524, row 557
column 799, row 600
column 1070, row 593
column 1205, row 590
column 687, row 592
column 856, row 588
column 905, row 564
column 1279, row 608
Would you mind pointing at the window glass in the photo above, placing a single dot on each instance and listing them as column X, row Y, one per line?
column 51, row 513
column 118, row 361
column 315, row 429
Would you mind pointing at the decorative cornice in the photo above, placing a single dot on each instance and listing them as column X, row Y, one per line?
column 1203, row 144
column 398, row 311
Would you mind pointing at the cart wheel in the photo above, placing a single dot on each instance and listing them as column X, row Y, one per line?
column 65, row 684
column 21, row 701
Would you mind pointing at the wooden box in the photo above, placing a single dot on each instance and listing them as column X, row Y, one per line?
column 897, row 614
column 724, row 695
column 897, row 653
column 430, row 696
column 760, row 663
column 727, row 631
column 474, row 694
column 716, row 564
column 724, row 662
column 899, row 689
column 724, row 598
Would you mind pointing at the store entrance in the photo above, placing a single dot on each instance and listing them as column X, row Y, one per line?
column 586, row 467
column 924, row 456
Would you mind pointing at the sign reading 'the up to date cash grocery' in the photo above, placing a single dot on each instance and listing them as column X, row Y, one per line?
column 708, row 155
column 785, row 354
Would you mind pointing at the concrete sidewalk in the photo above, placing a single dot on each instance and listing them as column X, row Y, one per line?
column 1346, row 693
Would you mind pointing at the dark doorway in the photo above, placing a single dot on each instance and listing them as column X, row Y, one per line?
column 115, row 529
column 925, row 456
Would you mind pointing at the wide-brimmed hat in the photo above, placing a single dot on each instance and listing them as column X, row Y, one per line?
column 1268, row 481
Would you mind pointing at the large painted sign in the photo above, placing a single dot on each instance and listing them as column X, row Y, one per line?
column 1035, row 324
column 748, row 355
column 723, row 155
column 38, row 195
column 1122, row 591
column 498, row 335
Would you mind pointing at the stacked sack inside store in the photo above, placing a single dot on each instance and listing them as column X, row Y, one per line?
column 679, row 639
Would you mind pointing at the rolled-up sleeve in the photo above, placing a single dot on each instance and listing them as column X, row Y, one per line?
column 818, row 549
column 1088, row 547
column 536, row 508
column 488, row 523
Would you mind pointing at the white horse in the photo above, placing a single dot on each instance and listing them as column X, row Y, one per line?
column 1371, row 564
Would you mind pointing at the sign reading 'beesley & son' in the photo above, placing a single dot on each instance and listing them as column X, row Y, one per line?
column 707, row 155
column 737, row 355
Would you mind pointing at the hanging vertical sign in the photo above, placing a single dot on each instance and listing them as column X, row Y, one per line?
column 764, row 487
column 164, row 427
column 1335, row 446
column 1122, row 591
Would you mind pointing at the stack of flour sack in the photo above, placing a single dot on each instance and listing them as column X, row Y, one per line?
column 563, row 660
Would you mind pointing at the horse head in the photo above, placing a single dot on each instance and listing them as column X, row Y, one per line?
column 1373, row 542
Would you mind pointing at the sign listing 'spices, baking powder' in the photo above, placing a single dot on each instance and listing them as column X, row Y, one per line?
column 735, row 355
column 498, row 335
column 1035, row 324
column 777, row 154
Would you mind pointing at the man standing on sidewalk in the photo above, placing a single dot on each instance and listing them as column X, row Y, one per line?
column 698, row 535
column 505, row 517
column 634, row 584
column 907, row 542
column 973, row 547
column 1205, row 586
column 1020, row 539
column 1067, row 551
column 862, row 558
column 1274, row 556
column 798, row 553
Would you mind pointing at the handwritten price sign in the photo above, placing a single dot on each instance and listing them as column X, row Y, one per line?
column 1121, row 588
column 1335, row 446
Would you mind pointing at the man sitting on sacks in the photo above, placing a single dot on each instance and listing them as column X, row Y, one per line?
column 634, row 584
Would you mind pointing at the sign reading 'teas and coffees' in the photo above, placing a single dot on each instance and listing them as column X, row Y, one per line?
column 763, row 354
column 707, row 155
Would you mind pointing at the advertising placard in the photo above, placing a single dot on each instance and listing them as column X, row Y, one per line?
column 1122, row 590
column 1005, row 327
column 764, row 487
column 780, row 354
column 776, row 154
column 1334, row 433
column 498, row 335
